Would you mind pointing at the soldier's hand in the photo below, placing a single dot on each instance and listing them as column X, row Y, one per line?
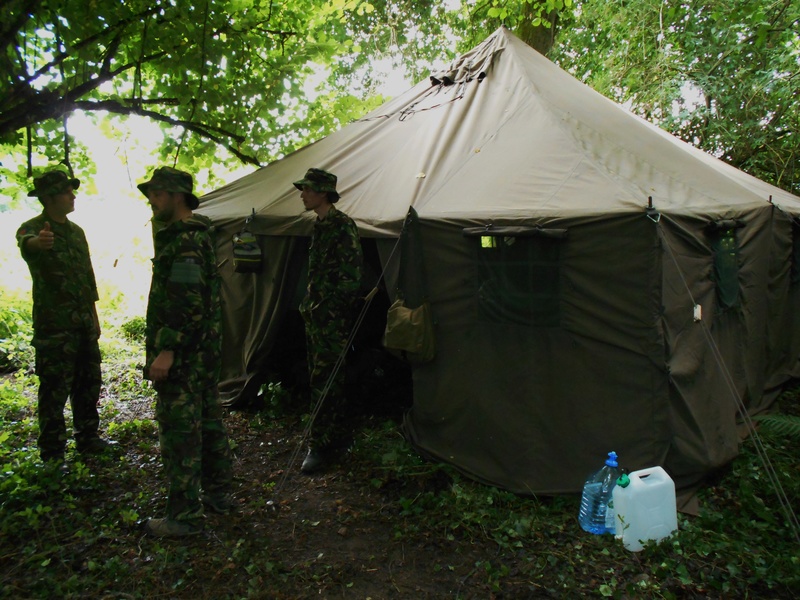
column 159, row 370
column 46, row 238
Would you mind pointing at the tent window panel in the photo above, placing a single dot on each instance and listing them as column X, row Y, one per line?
column 519, row 280
column 726, row 267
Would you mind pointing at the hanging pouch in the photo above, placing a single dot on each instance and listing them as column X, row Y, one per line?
column 246, row 250
column 246, row 253
column 409, row 332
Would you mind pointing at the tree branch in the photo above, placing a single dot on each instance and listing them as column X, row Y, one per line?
column 92, row 39
column 10, row 28
column 212, row 133
column 750, row 38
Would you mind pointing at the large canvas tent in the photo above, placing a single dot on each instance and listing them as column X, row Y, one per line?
column 596, row 283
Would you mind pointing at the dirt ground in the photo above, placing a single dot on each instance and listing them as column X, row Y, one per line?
column 335, row 534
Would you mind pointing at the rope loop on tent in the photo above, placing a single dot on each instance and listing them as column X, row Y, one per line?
column 652, row 213
column 410, row 110
column 772, row 476
column 792, row 217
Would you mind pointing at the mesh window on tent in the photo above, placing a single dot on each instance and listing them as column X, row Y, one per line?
column 725, row 248
column 519, row 275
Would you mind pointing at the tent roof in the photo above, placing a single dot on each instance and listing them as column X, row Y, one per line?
column 504, row 136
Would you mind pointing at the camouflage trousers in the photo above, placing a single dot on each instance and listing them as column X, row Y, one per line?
column 68, row 366
column 194, row 450
column 325, row 343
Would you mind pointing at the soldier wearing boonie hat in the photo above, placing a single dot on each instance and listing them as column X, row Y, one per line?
column 52, row 183
column 320, row 181
column 335, row 264
column 65, row 324
column 171, row 180
column 183, row 355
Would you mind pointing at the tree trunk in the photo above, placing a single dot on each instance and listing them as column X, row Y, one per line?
column 539, row 37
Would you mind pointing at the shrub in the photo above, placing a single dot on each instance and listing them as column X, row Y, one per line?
column 16, row 331
column 134, row 329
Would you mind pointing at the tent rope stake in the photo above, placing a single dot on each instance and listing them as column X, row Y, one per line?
column 772, row 476
column 271, row 504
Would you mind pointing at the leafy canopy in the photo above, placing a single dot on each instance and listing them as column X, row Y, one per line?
column 236, row 74
column 248, row 81
column 223, row 71
column 722, row 75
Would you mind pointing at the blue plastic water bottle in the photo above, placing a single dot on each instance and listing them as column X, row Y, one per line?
column 595, row 516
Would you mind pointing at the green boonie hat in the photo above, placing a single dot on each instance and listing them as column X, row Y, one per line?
column 171, row 180
column 319, row 181
column 53, row 182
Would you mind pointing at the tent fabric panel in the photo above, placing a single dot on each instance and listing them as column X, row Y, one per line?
column 526, row 126
column 783, row 324
column 551, row 409
column 578, row 377
column 724, row 358
column 252, row 306
column 634, row 150
column 703, row 414
column 757, row 249
column 611, row 284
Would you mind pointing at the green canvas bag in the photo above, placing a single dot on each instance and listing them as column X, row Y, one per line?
column 409, row 332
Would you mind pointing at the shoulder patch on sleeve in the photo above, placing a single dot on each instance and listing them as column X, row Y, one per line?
column 185, row 270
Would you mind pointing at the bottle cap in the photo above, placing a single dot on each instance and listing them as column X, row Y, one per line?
column 623, row 480
column 611, row 461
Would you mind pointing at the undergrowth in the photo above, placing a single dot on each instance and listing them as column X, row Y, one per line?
column 78, row 535
column 16, row 329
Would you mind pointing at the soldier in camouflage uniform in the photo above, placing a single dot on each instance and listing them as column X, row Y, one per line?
column 65, row 324
column 329, row 309
column 183, row 357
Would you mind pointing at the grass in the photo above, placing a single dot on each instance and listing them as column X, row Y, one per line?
column 77, row 535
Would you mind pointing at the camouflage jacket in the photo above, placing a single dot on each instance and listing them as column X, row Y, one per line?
column 335, row 266
column 64, row 286
column 183, row 309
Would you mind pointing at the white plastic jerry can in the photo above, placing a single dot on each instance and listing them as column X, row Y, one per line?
column 645, row 505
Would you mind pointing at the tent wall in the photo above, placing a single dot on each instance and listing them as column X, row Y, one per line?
column 253, row 304
column 720, row 360
column 783, row 324
column 531, row 409
column 627, row 369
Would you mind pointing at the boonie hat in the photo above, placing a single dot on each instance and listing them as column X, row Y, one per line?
column 53, row 182
column 319, row 181
column 171, row 180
